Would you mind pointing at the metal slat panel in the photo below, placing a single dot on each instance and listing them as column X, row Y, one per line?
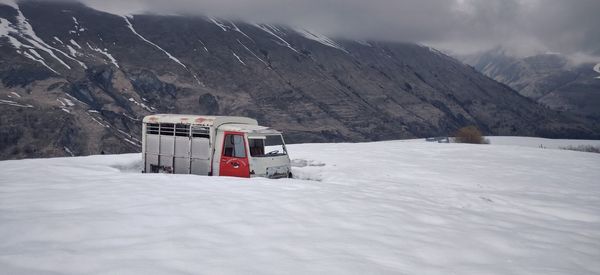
column 182, row 165
column 177, row 148
column 200, row 167
column 200, row 148
column 152, row 144
column 167, row 145
column 182, row 147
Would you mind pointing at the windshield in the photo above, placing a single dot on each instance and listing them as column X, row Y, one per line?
column 266, row 146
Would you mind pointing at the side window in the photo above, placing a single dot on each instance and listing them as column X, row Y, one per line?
column 240, row 148
column 257, row 146
column 234, row 146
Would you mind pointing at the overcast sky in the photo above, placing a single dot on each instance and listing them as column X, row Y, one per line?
column 459, row 26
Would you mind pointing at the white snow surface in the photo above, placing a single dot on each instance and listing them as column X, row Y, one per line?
column 203, row 45
column 15, row 104
column 274, row 31
column 237, row 29
column 25, row 31
column 104, row 52
column 320, row 38
column 72, row 51
column 149, row 109
column 251, row 52
column 11, row 3
column 74, row 43
column 238, row 58
column 541, row 142
column 58, row 40
column 371, row 208
column 597, row 69
column 65, row 102
column 219, row 24
column 363, row 42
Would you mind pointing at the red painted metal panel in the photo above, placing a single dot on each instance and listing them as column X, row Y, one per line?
column 234, row 166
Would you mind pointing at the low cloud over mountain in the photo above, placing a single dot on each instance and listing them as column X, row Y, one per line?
column 526, row 27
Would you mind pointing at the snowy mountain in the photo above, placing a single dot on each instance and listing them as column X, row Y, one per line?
column 77, row 81
column 391, row 207
column 550, row 79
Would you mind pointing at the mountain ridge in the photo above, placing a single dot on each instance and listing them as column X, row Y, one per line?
column 551, row 79
column 90, row 77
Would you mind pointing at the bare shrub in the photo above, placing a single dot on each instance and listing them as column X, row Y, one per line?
column 469, row 134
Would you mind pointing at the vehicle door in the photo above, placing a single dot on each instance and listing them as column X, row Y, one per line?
column 234, row 156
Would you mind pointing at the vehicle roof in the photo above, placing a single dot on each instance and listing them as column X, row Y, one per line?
column 246, row 128
column 198, row 119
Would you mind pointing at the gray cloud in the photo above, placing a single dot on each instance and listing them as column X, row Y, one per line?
column 462, row 26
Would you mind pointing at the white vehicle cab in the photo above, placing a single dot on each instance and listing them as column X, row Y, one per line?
column 213, row 145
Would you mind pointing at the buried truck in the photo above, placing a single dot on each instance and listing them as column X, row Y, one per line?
column 214, row 146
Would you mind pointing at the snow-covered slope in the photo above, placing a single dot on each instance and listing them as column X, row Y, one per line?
column 369, row 208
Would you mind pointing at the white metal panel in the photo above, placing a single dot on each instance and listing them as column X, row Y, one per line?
column 182, row 146
column 200, row 148
column 152, row 144
column 167, row 145
column 150, row 160
column 144, row 140
column 182, row 165
column 217, row 146
column 200, row 166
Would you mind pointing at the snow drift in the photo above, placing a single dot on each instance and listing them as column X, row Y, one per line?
column 378, row 208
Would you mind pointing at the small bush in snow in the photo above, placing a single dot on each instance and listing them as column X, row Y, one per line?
column 469, row 134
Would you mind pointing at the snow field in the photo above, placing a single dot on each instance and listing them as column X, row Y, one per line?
column 542, row 142
column 378, row 208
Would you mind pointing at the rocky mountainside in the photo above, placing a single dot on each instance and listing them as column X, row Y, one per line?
column 550, row 79
column 77, row 81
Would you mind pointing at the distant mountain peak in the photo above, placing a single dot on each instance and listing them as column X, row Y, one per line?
column 552, row 79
